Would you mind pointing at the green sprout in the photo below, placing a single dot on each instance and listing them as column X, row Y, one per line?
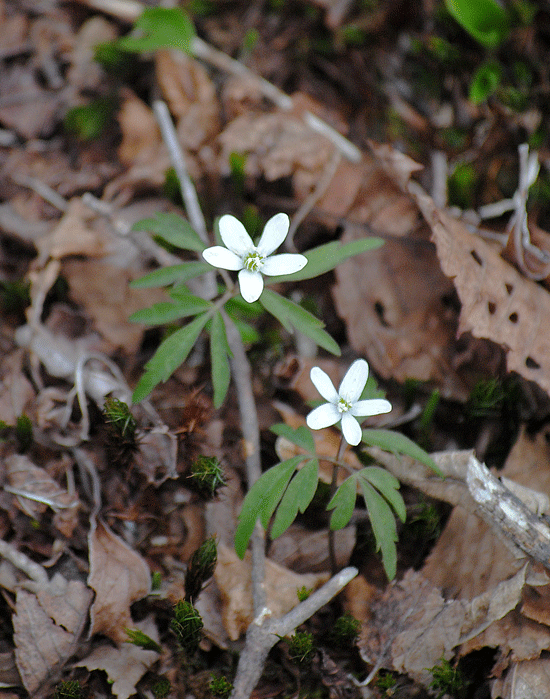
column 303, row 593
column 156, row 581
column 345, row 630
column 301, row 648
column 187, row 626
column 448, row 680
column 142, row 640
column 68, row 690
column 386, row 682
column 200, row 568
column 23, row 433
column 220, row 686
column 206, row 476
column 117, row 414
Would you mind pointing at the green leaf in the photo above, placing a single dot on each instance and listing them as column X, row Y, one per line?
column 159, row 27
column 485, row 82
column 486, row 20
column 301, row 437
column 249, row 334
column 219, row 350
column 171, row 275
column 383, row 525
column 262, row 499
column 291, row 315
column 142, row 640
column 297, row 496
column 397, row 443
column 343, row 503
column 166, row 312
column 328, row 256
column 170, row 354
column 173, row 229
column 387, row 485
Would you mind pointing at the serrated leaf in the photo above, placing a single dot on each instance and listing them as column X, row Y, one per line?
column 397, row 443
column 219, row 350
column 301, row 436
column 383, row 525
column 159, row 27
column 171, row 275
column 173, row 229
column 166, row 312
column 387, row 485
column 343, row 502
column 328, row 256
column 170, row 354
column 290, row 315
column 261, row 500
column 297, row 497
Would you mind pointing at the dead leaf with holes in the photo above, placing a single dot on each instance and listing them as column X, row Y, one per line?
column 47, row 626
column 119, row 576
column 411, row 626
column 127, row 664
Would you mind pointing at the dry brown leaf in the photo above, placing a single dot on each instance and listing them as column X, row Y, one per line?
column 233, row 578
column 127, row 664
column 46, row 628
column 119, row 576
column 498, row 303
column 525, row 680
column 411, row 627
column 306, row 551
column 16, row 391
column 85, row 73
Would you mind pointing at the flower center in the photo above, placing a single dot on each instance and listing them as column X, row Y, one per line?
column 253, row 261
column 343, row 406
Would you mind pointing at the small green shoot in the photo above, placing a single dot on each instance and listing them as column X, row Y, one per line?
column 187, row 626
column 23, row 433
column 156, row 581
column 220, row 686
column 142, row 640
column 345, row 631
column 117, row 414
column 386, row 682
column 206, row 477
column 301, row 648
column 200, row 568
column 487, row 21
column 303, row 593
column 485, row 82
column 448, row 680
column 70, row 689
column 90, row 120
column 462, row 186
column 158, row 28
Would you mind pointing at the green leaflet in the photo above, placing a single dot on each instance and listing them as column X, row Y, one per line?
column 297, row 496
column 219, row 351
column 328, row 256
column 486, row 20
column 159, row 27
column 383, row 525
column 397, row 443
column 388, row 485
column 301, row 437
column 166, row 312
column 173, row 229
column 170, row 354
column 343, row 502
column 291, row 315
column 262, row 499
column 171, row 275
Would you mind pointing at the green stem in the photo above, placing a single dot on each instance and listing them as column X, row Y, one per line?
column 333, row 488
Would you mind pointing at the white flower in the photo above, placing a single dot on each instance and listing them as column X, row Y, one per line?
column 240, row 253
column 345, row 404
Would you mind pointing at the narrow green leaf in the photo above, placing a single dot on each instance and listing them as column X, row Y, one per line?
column 301, row 437
column 343, row 503
column 219, row 350
column 159, row 27
column 166, row 312
column 171, row 275
column 387, row 485
column 328, row 256
column 291, row 315
column 262, row 499
column 397, row 443
column 170, row 354
column 173, row 229
column 297, row 497
column 383, row 525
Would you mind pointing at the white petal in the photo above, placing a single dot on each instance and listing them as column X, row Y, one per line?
column 234, row 235
column 323, row 416
column 283, row 264
column 218, row 256
column 354, row 381
column 251, row 285
column 274, row 233
column 324, row 385
column 351, row 429
column 373, row 406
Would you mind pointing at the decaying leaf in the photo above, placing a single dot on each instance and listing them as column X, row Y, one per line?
column 411, row 627
column 127, row 664
column 233, row 578
column 119, row 576
column 526, row 680
column 47, row 626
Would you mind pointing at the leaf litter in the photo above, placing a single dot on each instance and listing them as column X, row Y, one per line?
column 396, row 305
